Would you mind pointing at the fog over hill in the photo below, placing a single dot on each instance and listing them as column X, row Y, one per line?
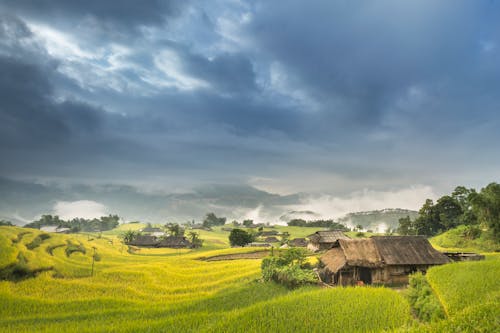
column 22, row 202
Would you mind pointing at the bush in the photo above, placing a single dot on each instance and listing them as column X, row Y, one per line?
column 288, row 269
column 37, row 241
column 239, row 237
column 423, row 300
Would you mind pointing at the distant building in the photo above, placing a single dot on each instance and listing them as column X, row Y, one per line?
column 324, row 240
column 298, row 242
column 271, row 240
column 56, row 229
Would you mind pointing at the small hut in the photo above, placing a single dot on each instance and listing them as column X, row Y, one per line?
column 298, row 242
column 175, row 242
column 144, row 240
column 324, row 240
column 271, row 240
column 381, row 260
column 269, row 233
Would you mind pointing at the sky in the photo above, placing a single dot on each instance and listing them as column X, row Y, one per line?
column 332, row 97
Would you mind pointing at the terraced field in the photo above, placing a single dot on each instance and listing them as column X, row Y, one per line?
column 168, row 290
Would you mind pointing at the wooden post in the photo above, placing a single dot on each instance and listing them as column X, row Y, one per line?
column 93, row 259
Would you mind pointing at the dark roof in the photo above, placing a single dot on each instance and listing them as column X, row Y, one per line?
column 381, row 251
column 271, row 240
column 149, row 229
column 174, row 241
column 144, row 240
column 408, row 250
column 269, row 233
column 329, row 236
column 298, row 242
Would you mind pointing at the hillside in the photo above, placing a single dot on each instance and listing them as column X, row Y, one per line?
column 172, row 290
column 377, row 220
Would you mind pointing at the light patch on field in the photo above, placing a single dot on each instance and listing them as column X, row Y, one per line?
column 329, row 206
column 86, row 209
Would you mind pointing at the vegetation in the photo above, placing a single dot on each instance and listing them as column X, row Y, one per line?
column 330, row 224
column 423, row 300
column 466, row 238
column 5, row 223
column 77, row 224
column 463, row 207
column 211, row 220
column 240, row 237
column 289, row 269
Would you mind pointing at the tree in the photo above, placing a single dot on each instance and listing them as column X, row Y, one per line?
column 5, row 223
column 174, row 229
column 239, row 237
column 406, row 226
column 129, row 236
column 486, row 205
column 212, row 220
column 195, row 239
column 247, row 223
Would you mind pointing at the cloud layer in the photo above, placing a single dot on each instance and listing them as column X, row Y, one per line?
column 330, row 97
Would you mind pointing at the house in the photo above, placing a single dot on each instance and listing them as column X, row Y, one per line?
column 324, row 240
column 175, row 242
column 380, row 260
column 269, row 233
column 271, row 240
column 257, row 244
column 298, row 242
column 144, row 240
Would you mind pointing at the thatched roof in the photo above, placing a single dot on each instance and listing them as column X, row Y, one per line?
column 329, row 236
column 298, row 242
column 408, row 250
column 381, row 251
column 271, row 240
column 151, row 229
column 174, row 242
column 144, row 240
column 352, row 252
column 269, row 233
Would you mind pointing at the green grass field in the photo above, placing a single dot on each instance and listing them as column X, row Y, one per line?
column 169, row 290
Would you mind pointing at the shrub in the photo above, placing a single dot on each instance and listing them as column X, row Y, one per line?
column 423, row 300
column 37, row 241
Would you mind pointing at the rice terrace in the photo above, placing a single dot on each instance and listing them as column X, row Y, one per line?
column 249, row 166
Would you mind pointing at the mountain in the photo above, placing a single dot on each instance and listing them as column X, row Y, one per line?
column 377, row 220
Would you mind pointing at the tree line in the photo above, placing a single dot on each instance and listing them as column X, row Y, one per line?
column 77, row 224
column 464, row 206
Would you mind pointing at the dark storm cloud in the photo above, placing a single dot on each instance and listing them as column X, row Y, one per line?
column 122, row 14
column 211, row 90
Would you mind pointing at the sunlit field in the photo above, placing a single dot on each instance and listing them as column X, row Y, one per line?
column 171, row 290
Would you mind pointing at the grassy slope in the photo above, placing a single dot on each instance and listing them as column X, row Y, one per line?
column 169, row 290
column 453, row 240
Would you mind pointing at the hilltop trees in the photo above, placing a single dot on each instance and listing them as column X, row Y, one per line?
column 77, row 224
column 239, row 237
column 463, row 207
column 212, row 220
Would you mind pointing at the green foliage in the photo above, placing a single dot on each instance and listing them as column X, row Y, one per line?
column 37, row 241
column 239, row 237
column 486, row 204
column 467, row 238
column 212, row 220
column 77, row 224
column 195, row 240
column 175, row 229
column 72, row 248
column 129, row 235
column 5, row 223
column 287, row 269
column 423, row 300
column 330, row 224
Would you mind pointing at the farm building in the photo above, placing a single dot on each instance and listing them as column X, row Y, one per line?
column 298, row 242
column 144, row 240
column 151, row 230
column 324, row 240
column 380, row 260
column 269, row 233
column 52, row 228
column 271, row 240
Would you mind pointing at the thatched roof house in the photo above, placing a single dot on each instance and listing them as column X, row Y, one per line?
column 271, row 240
column 298, row 242
column 324, row 240
column 144, row 240
column 382, row 259
column 176, row 242
column 151, row 230
column 269, row 233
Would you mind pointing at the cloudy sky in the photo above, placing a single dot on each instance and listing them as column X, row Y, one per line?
column 288, row 96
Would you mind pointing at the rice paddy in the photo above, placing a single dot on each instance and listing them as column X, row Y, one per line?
column 170, row 290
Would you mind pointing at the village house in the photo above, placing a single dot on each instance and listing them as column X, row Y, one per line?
column 174, row 242
column 144, row 241
column 269, row 233
column 298, row 242
column 57, row 229
column 271, row 240
column 324, row 240
column 379, row 260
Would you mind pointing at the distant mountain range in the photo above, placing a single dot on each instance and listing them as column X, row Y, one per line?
column 22, row 202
